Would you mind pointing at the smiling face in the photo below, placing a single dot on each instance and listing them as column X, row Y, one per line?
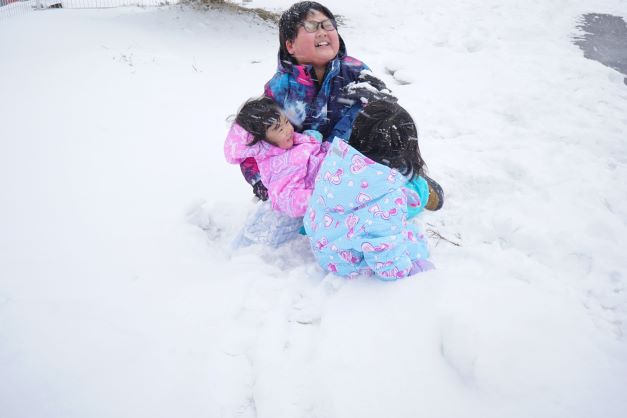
column 281, row 134
column 316, row 48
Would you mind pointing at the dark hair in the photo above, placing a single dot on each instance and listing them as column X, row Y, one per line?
column 256, row 116
column 386, row 133
column 290, row 21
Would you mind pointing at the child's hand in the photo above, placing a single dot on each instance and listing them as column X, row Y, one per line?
column 260, row 191
column 314, row 134
column 367, row 77
column 367, row 89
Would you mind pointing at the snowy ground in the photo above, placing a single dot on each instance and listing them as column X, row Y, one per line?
column 120, row 295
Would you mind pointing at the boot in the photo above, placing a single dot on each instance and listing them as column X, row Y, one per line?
column 436, row 195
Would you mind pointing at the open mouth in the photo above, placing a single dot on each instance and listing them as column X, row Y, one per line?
column 323, row 43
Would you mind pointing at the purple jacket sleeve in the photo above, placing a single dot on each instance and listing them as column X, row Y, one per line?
column 250, row 171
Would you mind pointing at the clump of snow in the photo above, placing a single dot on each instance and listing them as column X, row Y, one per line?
column 397, row 69
column 404, row 76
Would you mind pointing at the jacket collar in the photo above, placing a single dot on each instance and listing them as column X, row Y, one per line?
column 286, row 64
column 304, row 74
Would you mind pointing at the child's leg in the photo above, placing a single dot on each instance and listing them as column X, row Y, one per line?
column 268, row 227
column 436, row 195
column 430, row 193
column 421, row 187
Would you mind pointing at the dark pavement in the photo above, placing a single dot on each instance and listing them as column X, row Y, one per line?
column 605, row 40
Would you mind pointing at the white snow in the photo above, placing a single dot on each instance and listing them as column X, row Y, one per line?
column 120, row 295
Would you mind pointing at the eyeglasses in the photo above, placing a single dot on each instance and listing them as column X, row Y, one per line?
column 312, row 26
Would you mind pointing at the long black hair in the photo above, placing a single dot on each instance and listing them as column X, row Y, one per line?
column 256, row 116
column 386, row 133
column 290, row 21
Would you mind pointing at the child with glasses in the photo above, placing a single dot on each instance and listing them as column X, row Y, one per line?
column 313, row 72
column 357, row 217
column 317, row 85
column 288, row 161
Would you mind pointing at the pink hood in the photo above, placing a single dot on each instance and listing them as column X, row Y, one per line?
column 289, row 174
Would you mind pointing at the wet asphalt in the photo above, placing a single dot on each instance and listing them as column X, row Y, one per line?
column 604, row 40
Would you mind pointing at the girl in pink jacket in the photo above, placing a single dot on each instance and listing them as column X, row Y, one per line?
column 288, row 161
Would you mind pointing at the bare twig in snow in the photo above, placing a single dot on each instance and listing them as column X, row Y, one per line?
column 435, row 234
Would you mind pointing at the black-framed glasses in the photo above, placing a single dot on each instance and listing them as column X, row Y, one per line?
column 312, row 26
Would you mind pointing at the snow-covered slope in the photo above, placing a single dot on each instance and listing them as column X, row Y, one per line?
column 121, row 297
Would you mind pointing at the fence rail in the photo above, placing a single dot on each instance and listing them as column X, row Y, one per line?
column 19, row 7
column 15, row 7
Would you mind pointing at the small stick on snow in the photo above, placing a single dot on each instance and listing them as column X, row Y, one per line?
column 435, row 234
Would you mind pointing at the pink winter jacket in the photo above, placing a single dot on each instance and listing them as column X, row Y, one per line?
column 288, row 174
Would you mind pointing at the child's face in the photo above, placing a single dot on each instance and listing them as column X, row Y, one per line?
column 281, row 134
column 317, row 48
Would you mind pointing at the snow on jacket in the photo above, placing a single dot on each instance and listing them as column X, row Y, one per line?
column 357, row 218
column 288, row 174
column 309, row 105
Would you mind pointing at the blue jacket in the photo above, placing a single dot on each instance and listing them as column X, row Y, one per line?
column 312, row 106
column 319, row 107
column 357, row 218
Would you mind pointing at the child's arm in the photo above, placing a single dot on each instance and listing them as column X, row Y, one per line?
column 250, row 171
column 236, row 151
column 387, row 256
column 313, row 134
column 291, row 199
column 344, row 126
column 251, row 174
column 367, row 88
column 417, row 193
column 364, row 89
column 286, row 188
column 249, row 167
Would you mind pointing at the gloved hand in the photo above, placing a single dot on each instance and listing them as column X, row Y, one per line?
column 260, row 191
column 366, row 89
column 367, row 77
column 314, row 134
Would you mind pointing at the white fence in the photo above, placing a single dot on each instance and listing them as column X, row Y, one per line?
column 19, row 7
column 15, row 7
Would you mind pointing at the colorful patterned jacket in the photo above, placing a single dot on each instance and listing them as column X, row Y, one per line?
column 288, row 174
column 357, row 218
column 312, row 106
